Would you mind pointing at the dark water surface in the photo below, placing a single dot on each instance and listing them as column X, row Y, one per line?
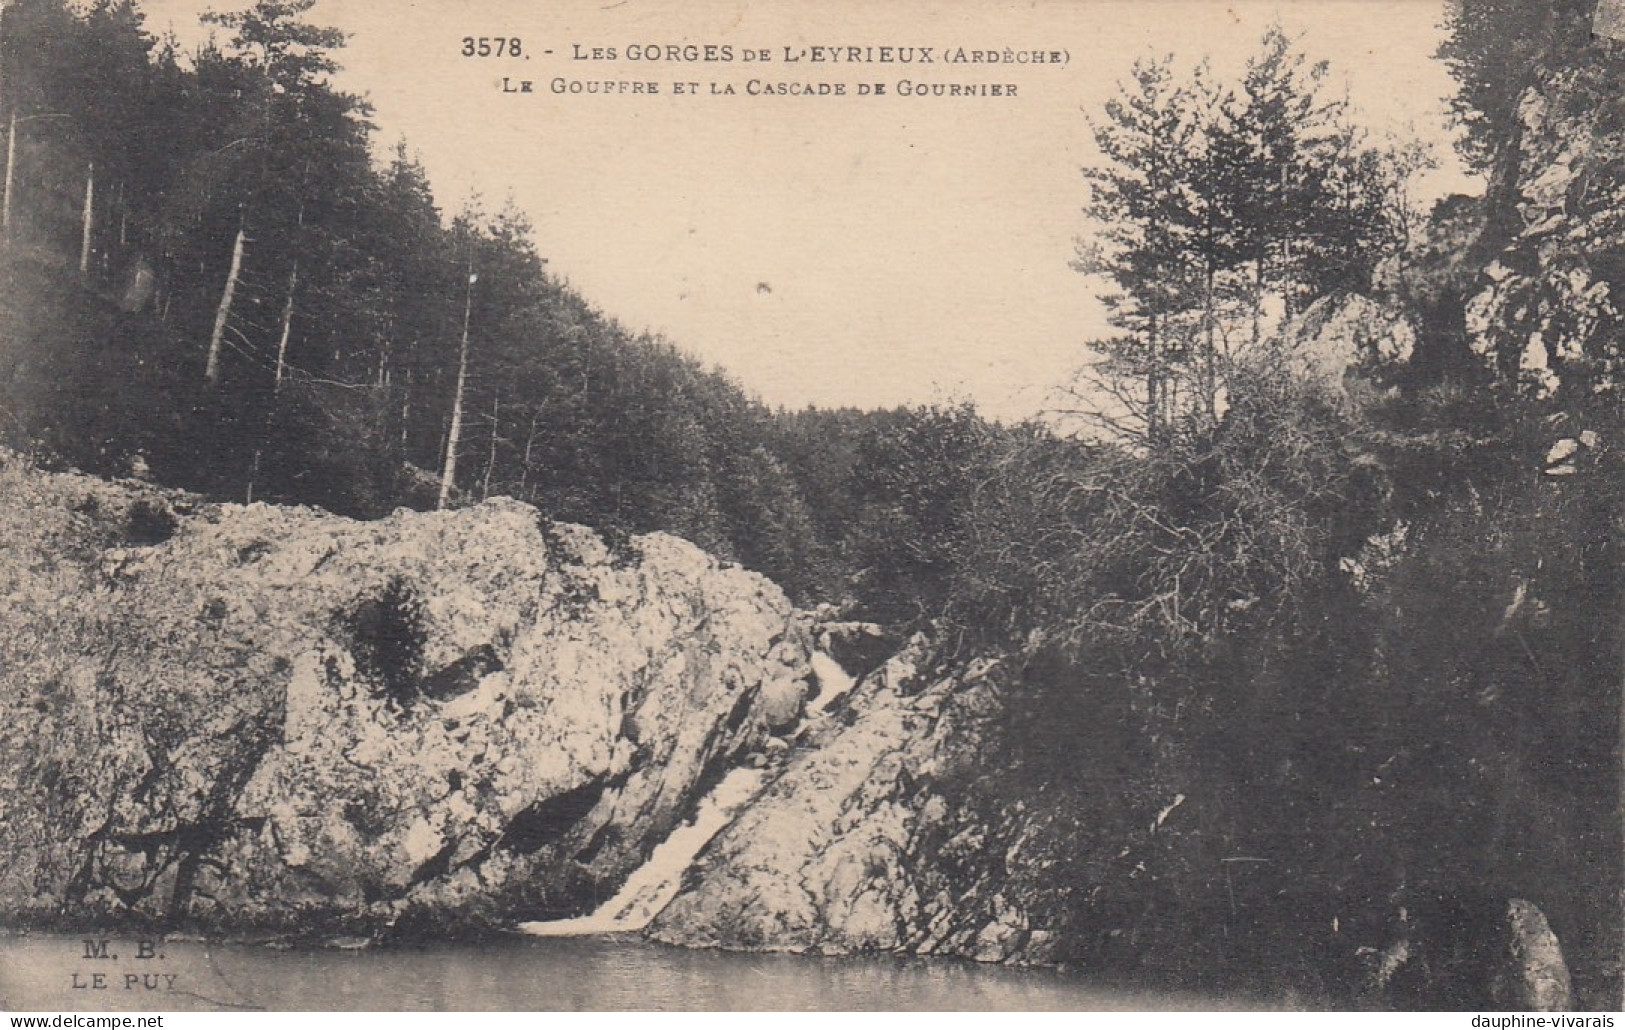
column 39, row 972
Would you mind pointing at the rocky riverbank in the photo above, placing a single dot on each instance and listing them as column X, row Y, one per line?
column 252, row 720
column 259, row 717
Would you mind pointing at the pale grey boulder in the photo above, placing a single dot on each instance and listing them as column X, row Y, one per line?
column 263, row 717
column 1535, row 978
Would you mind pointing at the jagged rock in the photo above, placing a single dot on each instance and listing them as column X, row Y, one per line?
column 1464, row 950
column 1563, row 458
column 783, row 697
column 1339, row 334
column 1559, row 460
column 1535, row 979
column 844, row 851
column 260, row 715
column 857, row 647
column 139, row 285
column 1546, row 308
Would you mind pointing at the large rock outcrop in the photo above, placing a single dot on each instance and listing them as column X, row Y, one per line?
column 251, row 716
column 1466, row 951
column 1547, row 310
column 1342, row 334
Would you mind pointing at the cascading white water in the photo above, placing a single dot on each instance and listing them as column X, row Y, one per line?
column 832, row 683
column 653, row 885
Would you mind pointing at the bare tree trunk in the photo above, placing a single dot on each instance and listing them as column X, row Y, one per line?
column 293, row 286
column 386, row 348
column 445, row 423
column 1153, row 394
column 1211, row 345
column 89, row 220
column 11, row 168
column 491, row 458
column 448, row 475
column 406, row 411
column 11, row 145
column 287, row 327
column 524, row 469
column 1153, row 387
column 1258, row 301
column 253, row 474
column 1287, row 279
column 211, row 368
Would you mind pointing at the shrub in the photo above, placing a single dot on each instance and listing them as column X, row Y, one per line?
column 150, row 523
column 386, row 635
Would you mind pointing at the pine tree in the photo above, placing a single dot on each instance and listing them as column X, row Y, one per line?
column 1273, row 151
column 1495, row 49
column 297, row 123
column 1219, row 213
column 1143, row 205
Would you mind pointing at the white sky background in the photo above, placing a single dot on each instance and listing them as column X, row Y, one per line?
column 914, row 250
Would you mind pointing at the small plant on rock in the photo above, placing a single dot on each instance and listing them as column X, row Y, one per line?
column 386, row 637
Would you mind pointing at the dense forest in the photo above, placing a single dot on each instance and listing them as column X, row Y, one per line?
column 210, row 274
column 235, row 291
column 1365, row 626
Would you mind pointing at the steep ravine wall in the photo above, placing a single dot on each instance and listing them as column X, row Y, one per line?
column 256, row 717
column 859, row 844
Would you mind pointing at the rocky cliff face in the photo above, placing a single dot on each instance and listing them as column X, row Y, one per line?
column 257, row 718
column 1546, row 310
column 856, row 846
column 1343, row 334
column 263, row 717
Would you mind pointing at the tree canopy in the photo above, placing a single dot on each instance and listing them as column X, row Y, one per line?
column 1218, row 210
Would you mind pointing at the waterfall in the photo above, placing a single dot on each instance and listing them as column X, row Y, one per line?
column 832, row 683
column 653, row 885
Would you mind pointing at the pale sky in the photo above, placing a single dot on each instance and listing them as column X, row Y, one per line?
column 864, row 251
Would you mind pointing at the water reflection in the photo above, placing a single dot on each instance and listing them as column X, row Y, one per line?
column 529, row 974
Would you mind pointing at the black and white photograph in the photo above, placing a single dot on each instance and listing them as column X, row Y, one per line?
column 920, row 506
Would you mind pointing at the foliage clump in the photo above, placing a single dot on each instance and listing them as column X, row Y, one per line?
column 386, row 634
column 150, row 522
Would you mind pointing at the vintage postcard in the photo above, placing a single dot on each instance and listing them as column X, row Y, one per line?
column 753, row 505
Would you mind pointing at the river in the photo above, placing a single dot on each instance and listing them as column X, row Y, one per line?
column 603, row 972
